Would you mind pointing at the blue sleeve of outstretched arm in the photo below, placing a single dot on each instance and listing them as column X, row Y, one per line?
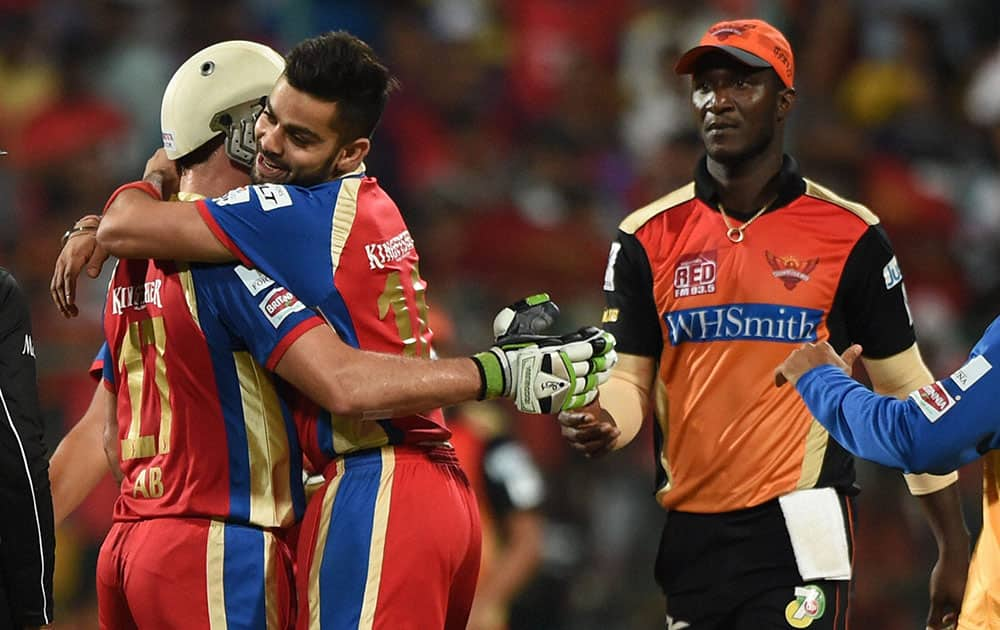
column 937, row 429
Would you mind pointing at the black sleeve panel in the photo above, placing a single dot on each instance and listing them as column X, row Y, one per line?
column 27, row 540
column 870, row 306
column 628, row 288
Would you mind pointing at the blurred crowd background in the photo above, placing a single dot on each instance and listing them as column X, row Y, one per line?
column 524, row 132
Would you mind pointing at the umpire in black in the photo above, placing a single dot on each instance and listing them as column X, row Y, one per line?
column 27, row 539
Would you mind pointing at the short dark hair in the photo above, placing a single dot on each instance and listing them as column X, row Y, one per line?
column 201, row 154
column 340, row 68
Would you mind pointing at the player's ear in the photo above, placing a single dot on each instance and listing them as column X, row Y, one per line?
column 350, row 156
column 786, row 100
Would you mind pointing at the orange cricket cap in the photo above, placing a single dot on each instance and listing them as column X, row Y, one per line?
column 752, row 42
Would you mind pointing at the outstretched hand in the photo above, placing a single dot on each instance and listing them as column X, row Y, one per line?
column 811, row 355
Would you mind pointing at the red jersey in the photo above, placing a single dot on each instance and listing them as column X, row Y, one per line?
column 343, row 248
column 202, row 430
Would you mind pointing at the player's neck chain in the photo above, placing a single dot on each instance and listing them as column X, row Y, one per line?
column 735, row 232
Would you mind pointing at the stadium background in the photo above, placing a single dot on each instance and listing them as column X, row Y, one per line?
column 525, row 130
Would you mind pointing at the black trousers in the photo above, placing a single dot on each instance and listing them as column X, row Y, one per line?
column 737, row 571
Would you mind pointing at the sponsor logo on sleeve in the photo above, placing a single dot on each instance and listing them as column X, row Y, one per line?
column 272, row 196
column 609, row 271
column 389, row 251
column 971, row 372
column 892, row 274
column 253, row 280
column 695, row 274
column 279, row 304
column 237, row 195
column 933, row 400
column 789, row 269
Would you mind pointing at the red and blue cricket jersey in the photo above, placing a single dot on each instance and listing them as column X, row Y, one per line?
column 343, row 248
column 202, row 430
column 392, row 539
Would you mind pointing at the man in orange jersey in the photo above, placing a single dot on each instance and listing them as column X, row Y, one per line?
column 707, row 290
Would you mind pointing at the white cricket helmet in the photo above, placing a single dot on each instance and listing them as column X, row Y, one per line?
column 220, row 89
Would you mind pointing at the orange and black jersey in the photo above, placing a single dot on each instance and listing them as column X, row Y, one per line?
column 719, row 317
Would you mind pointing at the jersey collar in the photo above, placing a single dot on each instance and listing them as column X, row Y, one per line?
column 790, row 184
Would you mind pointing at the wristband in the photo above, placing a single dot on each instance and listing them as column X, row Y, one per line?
column 491, row 375
column 76, row 231
column 142, row 185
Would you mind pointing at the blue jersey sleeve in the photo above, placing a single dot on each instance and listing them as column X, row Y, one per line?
column 105, row 364
column 263, row 315
column 284, row 231
column 937, row 429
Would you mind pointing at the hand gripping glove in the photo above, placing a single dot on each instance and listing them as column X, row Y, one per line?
column 544, row 373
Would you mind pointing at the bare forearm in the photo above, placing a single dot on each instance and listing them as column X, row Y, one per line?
column 78, row 464
column 518, row 561
column 137, row 226
column 356, row 383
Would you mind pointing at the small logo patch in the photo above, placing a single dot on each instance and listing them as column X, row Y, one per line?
column 809, row 605
column 279, row 304
column 272, row 196
column 253, row 280
column 168, row 141
column 695, row 274
column 789, row 269
column 237, row 195
column 933, row 400
column 609, row 271
column 892, row 274
column 971, row 372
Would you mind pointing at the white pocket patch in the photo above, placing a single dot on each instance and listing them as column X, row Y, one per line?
column 609, row 272
column 272, row 196
column 253, row 280
column 971, row 372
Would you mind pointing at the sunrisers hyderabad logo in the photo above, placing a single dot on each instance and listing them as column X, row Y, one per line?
column 789, row 269
column 809, row 604
column 723, row 31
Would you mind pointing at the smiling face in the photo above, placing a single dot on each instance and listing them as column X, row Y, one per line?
column 739, row 109
column 298, row 142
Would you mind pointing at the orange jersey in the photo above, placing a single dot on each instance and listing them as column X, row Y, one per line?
column 720, row 316
column 981, row 605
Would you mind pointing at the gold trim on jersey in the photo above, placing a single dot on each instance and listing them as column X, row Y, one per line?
column 816, row 191
column 662, row 402
column 187, row 286
column 380, row 522
column 272, row 566
column 184, row 269
column 640, row 217
column 812, row 459
column 267, row 445
column 215, row 572
column 343, row 218
column 352, row 434
column 326, row 512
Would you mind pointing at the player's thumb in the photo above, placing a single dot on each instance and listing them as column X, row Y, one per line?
column 851, row 355
column 96, row 262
